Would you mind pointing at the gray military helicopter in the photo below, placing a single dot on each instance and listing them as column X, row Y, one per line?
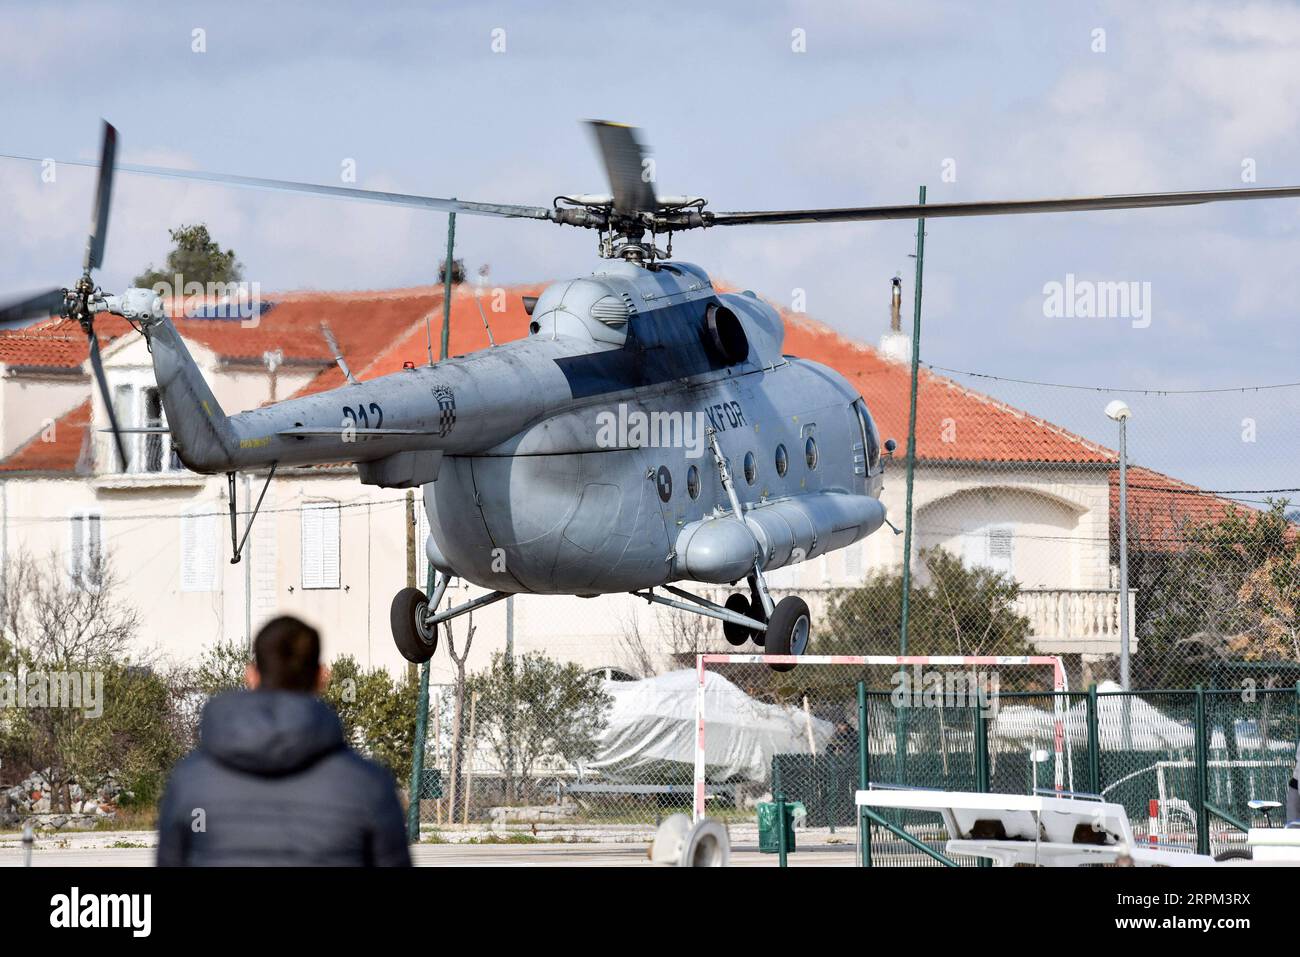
column 648, row 431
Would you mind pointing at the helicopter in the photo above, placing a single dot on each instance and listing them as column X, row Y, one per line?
column 648, row 431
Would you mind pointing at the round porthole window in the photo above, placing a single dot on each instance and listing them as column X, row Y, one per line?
column 782, row 461
column 751, row 468
column 810, row 452
column 693, row 482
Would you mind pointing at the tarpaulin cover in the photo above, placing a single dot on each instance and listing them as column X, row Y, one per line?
column 650, row 735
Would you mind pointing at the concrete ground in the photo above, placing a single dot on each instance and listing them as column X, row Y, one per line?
column 136, row 849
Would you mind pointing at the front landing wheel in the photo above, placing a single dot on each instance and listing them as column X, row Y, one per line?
column 787, row 630
column 416, row 640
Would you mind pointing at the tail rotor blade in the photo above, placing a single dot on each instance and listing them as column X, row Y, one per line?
column 103, row 198
column 41, row 305
column 97, row 366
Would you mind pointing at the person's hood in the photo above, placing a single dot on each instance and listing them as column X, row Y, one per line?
column 269, row 732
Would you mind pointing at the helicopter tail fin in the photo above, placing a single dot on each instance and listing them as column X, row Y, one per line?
column 203, row 436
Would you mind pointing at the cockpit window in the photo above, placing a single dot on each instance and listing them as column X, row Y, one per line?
column 870, row 437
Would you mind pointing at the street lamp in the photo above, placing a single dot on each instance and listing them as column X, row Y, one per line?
column 1120, row 412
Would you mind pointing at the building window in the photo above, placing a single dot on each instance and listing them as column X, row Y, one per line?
column 320, row 545
column 138, row 405
column 782, row 461
column 992, row 547
column 751, row 468
column 85, row 551
column 199, row 541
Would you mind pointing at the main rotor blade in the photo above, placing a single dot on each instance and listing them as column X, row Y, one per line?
column 97, row 366
column 40, row 305
column 1000, row 207
column 336, row 192
column 103, row 198
column 625, row 165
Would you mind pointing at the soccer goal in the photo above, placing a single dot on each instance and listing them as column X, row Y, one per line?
column 754, row 723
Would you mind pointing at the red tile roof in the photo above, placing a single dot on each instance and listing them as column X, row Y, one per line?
column 1162, row 511
column 467, row 335
column 64, row 453
column 953, row 423
column 56, row 344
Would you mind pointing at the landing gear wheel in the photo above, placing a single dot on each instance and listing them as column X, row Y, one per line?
column 737, row 634
column 788, row 630
column 414, row 639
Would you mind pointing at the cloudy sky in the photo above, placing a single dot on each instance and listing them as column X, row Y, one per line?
column 1016, row 100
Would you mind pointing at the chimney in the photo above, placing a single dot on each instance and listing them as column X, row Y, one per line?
column 895, row 345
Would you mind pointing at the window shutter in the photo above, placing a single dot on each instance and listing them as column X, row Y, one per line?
column 421, row 536
column 94, row 556
column 320, row 545
column 198, row 552
column 853, row 562
column 1000, row 549
column 76, row 547
column 330, row 546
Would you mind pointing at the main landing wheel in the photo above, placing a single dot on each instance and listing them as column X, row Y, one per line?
column 788, row 630
column 414, row 639
column 737, row 634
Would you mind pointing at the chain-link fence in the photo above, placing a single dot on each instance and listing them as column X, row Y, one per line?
column 1183, row 763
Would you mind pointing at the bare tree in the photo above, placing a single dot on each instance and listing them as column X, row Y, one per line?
column 458, row 716
column 71, row 629
column 677, row 637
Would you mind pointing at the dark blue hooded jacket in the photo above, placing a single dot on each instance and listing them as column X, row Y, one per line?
column 273, row 783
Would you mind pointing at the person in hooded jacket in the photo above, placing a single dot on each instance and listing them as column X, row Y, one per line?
column 272, row 781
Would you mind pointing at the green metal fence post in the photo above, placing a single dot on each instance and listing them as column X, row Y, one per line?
column 1094, row 742
column 981, row 760
column 911, row 431
column 422, row 708
column 981, row 751
column 417, row 746
column 779, row 800
column 864, row 776
column 1202, row 775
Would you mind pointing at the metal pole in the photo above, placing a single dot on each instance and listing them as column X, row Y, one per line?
column 778, row 798
column 422, row 707
column 446, row 286
column 248, row 569
column 1123, row 557
column 864, row 775
column 911, row 428
column 1202, row 775
column 1094, row 743
column 417, row 750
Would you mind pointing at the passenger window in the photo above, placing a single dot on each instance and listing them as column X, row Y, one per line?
column 751, row 468
column 693, row 482
column 782, row 461
column 810, row 452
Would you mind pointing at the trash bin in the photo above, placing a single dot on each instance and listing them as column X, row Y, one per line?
column 768, row 836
